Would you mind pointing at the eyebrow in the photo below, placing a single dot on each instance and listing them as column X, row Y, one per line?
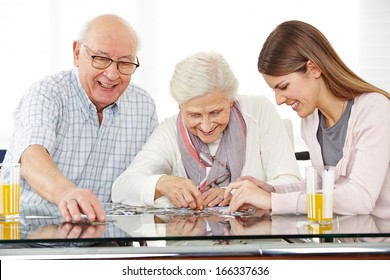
column 278, row 85
column 191, row 111
column 100, row 52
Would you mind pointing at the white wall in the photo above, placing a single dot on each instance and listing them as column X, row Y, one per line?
column 37, row 37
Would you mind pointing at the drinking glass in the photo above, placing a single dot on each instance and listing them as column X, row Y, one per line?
column 9, row 191
column 319, row 190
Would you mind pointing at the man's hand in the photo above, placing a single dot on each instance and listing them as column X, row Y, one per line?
column 68, row 230
column 44, row 177
column 77, row 202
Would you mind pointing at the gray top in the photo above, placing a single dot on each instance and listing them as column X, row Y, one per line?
column 332, row 139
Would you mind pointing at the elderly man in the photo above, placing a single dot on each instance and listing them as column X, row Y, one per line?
column 77, row 130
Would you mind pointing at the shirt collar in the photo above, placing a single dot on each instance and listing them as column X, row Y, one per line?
column 85, row 102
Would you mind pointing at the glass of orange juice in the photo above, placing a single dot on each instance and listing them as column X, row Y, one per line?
column 319, row 190
column 9, row 230
column 9, row 191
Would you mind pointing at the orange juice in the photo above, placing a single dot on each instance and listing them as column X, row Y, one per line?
column 9, row 230
column 320, row 229
column 319, row 208
column 9, row 201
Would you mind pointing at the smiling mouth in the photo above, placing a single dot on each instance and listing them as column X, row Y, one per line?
column 106, row 86
column 294, row 105
column 208, row 133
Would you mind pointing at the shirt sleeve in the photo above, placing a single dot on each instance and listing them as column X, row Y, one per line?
column 35, row 121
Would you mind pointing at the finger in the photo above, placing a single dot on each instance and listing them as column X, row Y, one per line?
column 208, row 196
column 75, row 231
column 90, row 231
column 235, row 202
column 63, row 208
column 175, row 201
column 240, row 201
column 183, row 199
column 211, row 196
column 94, row 209
column 178, row 198
column 218, row 199
column 191, row 200
column 232, row 186
column 198, row 199
column 86, row 208
column 225, row 201
column 100, row 213
column 243, row 178
column 64, row 229
column 73, row 208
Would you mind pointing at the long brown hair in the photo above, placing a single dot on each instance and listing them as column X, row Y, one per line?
column 293, row 43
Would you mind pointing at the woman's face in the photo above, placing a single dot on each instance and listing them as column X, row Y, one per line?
column 298, row 90
column 207, row 116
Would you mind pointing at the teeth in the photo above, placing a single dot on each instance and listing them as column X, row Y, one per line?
column 106, row 85
column 294, row 105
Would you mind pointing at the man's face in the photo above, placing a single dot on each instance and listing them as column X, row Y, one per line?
column 104, row 86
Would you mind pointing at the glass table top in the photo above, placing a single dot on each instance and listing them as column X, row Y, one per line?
column 43, row 223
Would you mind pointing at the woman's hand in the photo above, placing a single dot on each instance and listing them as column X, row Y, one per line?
column 246, row 192
column 215, row 197
column 181, row 192
column 261, row 184
column 259, row 225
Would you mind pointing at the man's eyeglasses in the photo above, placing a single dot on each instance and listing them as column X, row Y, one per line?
column 102, row 62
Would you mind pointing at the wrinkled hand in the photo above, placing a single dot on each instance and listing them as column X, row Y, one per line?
column 185, row 226
column 246, row 192
column 68, row 231
column 81, row 201
column 181, row 192
column 215, row 197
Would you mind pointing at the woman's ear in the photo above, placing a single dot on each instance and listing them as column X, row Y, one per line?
column 313, row 70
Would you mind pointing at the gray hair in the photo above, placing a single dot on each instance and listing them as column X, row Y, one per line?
column 202, row 73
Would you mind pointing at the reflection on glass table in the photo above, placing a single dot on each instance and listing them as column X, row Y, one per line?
column 43, row 224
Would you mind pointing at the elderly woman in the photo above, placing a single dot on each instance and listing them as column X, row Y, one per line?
column 216, row 138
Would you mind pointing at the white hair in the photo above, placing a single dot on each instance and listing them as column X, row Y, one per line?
column 202, row 73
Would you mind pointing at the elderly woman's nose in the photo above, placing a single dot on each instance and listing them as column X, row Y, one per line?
column 206, row 124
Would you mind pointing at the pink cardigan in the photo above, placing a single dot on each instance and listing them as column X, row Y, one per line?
column 362, row 179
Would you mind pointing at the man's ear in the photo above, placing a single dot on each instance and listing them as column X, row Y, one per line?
column 313, row 70
column 76, row 53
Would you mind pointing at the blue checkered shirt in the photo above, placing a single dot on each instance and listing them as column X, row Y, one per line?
column 57, row 114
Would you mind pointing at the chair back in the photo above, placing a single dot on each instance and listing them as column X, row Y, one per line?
column 2, row 155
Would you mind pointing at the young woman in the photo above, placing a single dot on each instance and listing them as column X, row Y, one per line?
column 345, row 123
